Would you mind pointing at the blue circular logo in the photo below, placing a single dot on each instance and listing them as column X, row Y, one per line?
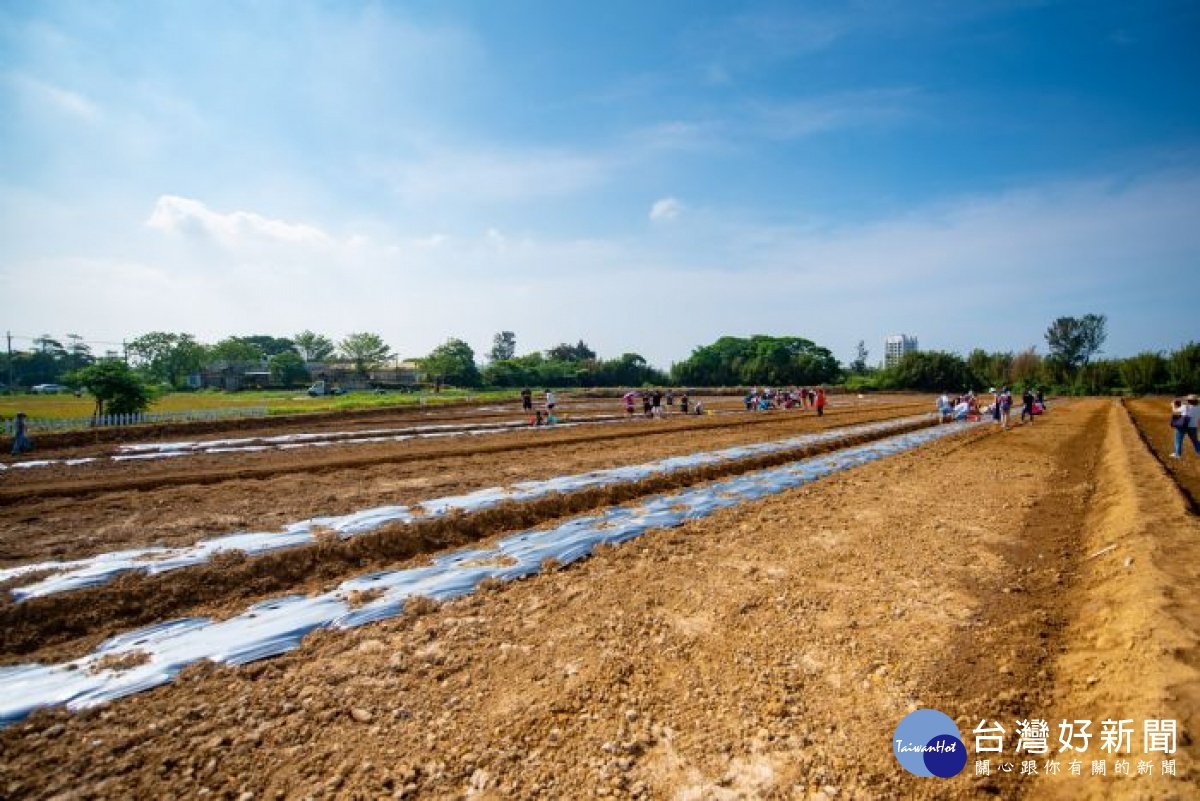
column 927, row 743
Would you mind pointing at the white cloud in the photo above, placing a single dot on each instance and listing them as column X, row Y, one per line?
column 800, row 118
column 988, row 270
column 668, row 208
column 180, row 215
column 55, row 97
column 676, row 135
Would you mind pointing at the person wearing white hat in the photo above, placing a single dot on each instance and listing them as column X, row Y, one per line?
column 1193, row 417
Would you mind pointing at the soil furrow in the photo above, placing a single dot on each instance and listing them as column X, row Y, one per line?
column 94, row 479
column 70, row 624
column 63, row 528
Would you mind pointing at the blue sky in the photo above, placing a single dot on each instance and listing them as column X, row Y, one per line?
column 645, row 177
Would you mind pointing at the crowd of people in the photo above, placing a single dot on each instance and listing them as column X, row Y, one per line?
column 803, row 398
column 656, row 403
column 969, row 407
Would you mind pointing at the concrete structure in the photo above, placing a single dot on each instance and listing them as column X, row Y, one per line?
column 895, row 346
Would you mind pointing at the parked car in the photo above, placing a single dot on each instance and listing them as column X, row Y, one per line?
column 321, row 388
column 48, row 389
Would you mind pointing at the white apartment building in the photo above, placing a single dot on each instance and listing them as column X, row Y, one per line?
column 895, row 346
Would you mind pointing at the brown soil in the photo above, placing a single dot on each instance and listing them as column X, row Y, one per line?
column 767, row 651
column 67, row 512
column 67, row 625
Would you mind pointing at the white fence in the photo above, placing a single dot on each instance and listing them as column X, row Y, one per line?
column 80, row 423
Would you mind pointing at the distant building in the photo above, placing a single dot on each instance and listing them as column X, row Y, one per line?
column 895, row 346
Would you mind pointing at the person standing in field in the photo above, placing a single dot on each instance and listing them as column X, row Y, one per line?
column 820, row 401
column 1005, row 407
column 945, row 408
column 656, row 402
column 1193, row 408
column 550, row 401
column 1184, row 419
column 1027, row 401
column 1178, row 426
column 21, row 441
column 526, row 400
column 683, row 403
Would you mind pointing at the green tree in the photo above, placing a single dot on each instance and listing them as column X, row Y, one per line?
column 1073, row 342
column 1144, row 372
column 932, row 371
column 1183, row 368
column 50, row 346
column 116, row 388
column 1025, row 369
column 629, row 370
column 504, row 346
column 167, row 357
column 287, row 369
column 236, row 351
column 79, row 353
column 1096, row 378
column 775, row 361
column 367, row 351
column 44, row 363
column 506, row 373
column 571, row 353
column 269, row 345
column 313, row 347
column 452, row 362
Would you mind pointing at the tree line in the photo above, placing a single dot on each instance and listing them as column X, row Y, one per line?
column 1070, row 366
column 165, row 360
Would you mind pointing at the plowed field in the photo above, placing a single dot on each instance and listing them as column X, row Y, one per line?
column 770, row 650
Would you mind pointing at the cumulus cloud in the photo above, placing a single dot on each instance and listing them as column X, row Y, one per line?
column 180, row 215
column 668, row 208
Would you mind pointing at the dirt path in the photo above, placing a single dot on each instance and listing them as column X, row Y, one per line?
column 767, row 651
